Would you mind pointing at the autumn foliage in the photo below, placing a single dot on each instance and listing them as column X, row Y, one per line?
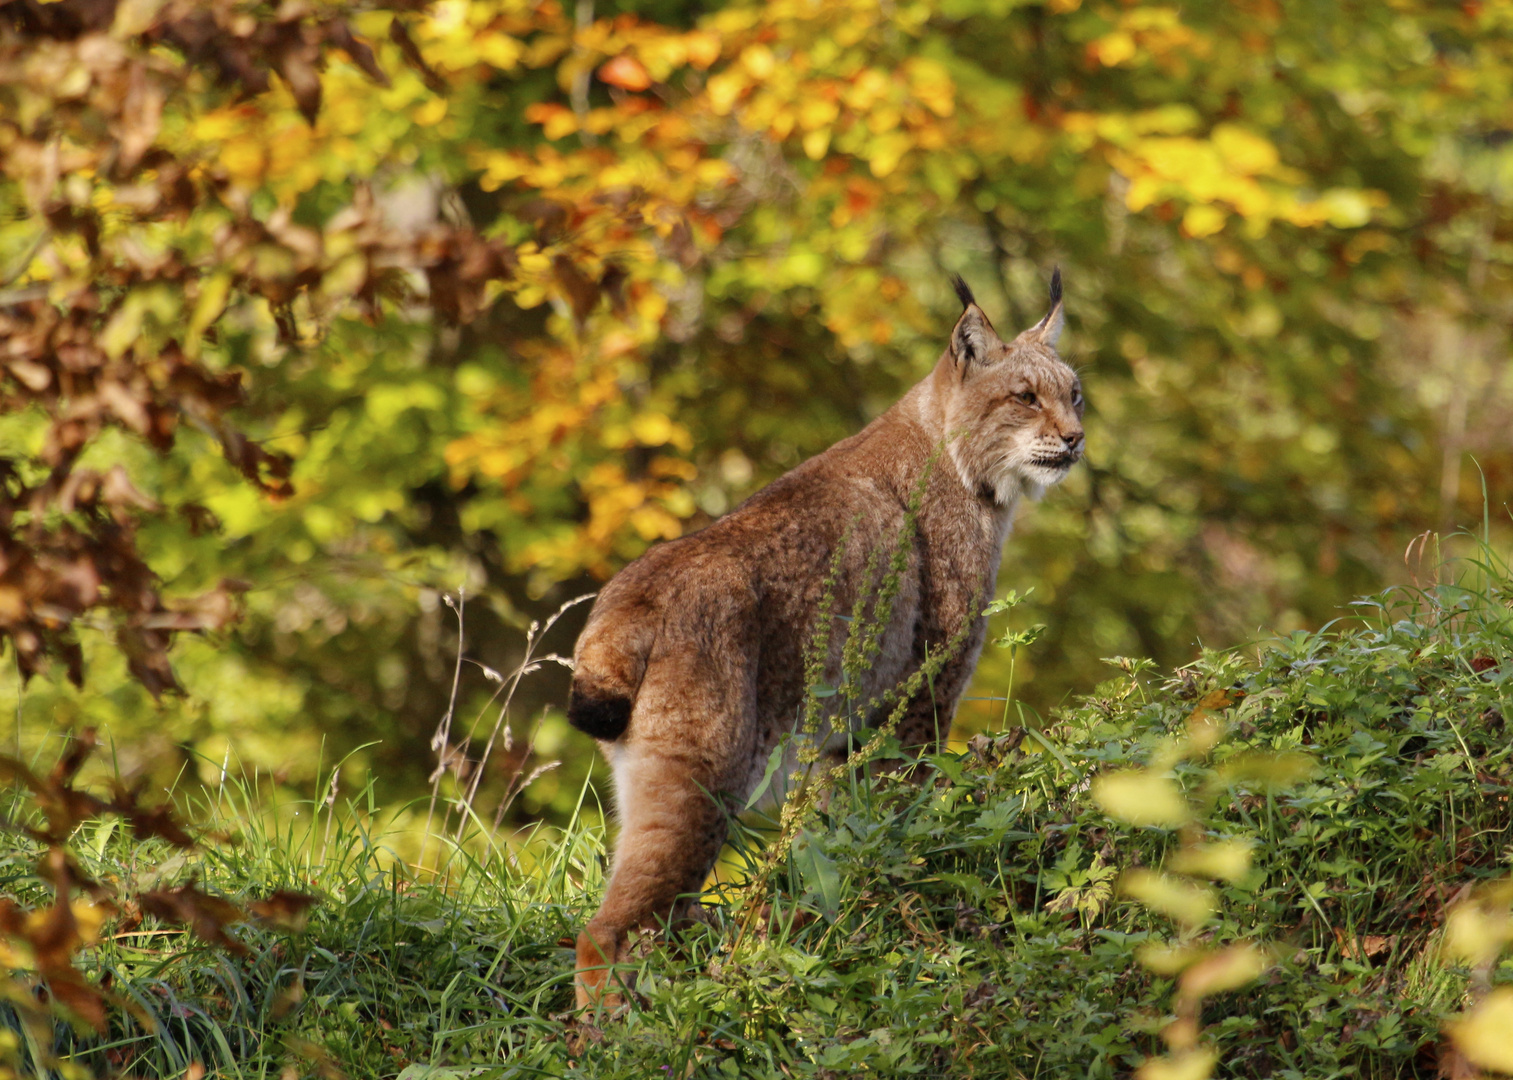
column 312, row 312
column 39, row 949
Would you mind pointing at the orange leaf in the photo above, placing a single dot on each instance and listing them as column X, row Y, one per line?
column 625, row 72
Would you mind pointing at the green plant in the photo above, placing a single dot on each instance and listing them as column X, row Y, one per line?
column 1343, row 919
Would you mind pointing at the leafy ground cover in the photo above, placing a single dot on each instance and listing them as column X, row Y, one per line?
column 1289, row 860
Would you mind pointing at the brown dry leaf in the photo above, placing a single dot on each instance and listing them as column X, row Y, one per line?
column 54, row 935
column 400, row 35
column 158, row 821
column 205, row 915
column 79, row 749
column 86, row 361
column 70, row 989
column 339, row 35
column 63, row 871
column 317, row 1055
column 1366, row 946
column 284, row 909
column 63, row 805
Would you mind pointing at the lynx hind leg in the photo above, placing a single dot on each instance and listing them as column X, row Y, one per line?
column 672, row 828
column 679, row 769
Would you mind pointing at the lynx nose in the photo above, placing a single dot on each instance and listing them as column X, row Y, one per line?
column 1073, row 442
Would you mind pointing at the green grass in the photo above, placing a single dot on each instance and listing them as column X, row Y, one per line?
column 960, row 922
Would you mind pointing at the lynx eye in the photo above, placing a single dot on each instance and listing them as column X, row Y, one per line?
column 1077, row 397
column 1028, row 397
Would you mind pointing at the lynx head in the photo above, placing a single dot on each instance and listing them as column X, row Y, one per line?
column 1013, row 410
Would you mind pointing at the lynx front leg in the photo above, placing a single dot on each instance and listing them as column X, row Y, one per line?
column 672, row 829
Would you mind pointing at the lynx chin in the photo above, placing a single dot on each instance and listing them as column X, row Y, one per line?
column 691, row 666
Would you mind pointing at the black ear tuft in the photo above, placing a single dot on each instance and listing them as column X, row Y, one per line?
column 1055, row 286
column 963, row 290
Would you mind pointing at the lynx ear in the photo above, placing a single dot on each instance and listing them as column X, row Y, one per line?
column 1048, row 330
column 974, row 338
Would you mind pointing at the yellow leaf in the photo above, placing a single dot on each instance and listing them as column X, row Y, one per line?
column 498, row 50
column 652, row 429
column 816, row 143
column 651, row 306
column 869, row 85
column 654, row 523
column 89, row 917
column 1226, row 859
column 1485, row 1034
column 1167, row 959
column 883, row 118
column 932, row 85
column 817, row 112
column 135, row 17
column 1477, row 932
column 1203, row 219
column 782, row 118
column 15, row 954
column 1268, row 771
column 1184, row 901
column 1227, row 969
column 725, row 89
column 1141, row 798
column 703, row 48
column 1144, row 190
column 886, row 151
column 758, row 61
column 1196, row 1064
column 1166, row 120
column 212, row 301
column 1113, row 49
column 124, row 327
column 1347, row 209
column 1243, row 150
column 672, row 468
column 560, row 124
column 244, row 160
column 431, row 112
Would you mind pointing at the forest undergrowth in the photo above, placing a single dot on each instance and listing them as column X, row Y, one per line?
column 1286, row 860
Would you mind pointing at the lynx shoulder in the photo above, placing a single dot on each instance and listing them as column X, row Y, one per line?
column 691, row 665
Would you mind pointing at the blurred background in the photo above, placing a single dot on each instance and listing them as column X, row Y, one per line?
column 315, row 315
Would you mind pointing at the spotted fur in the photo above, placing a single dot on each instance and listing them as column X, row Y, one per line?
column 691, row 665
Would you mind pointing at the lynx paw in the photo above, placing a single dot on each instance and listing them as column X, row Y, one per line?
column 598, row 985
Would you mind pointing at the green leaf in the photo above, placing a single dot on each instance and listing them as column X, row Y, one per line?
column 819, row 872
column 774, row 762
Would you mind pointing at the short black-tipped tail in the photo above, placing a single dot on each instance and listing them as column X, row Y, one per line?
column 600, row 712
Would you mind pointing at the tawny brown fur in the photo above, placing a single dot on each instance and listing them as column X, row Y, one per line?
column 691, row 666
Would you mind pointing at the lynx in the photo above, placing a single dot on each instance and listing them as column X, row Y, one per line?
column 691, row 666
